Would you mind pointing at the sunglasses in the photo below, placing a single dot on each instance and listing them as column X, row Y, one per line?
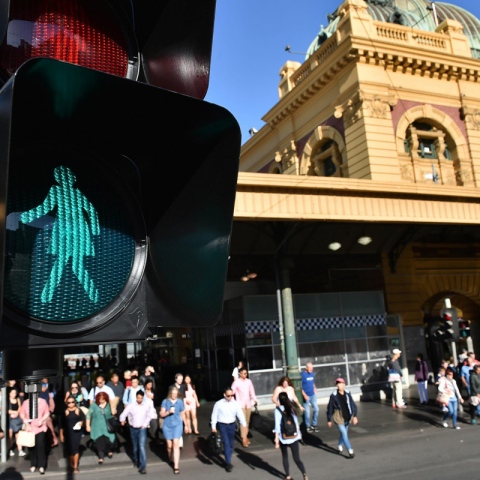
column 70, row 403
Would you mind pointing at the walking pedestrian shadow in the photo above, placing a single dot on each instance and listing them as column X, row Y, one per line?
column 421, row 417
column 317, row 442
column 256, row 463
column 202, row 451
column 204, row 454
column 160, row 450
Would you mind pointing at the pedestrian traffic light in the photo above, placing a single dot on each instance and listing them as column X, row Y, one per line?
column 463, row 328
column 116, row 197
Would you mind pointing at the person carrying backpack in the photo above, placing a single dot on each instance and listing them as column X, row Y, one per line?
column 287, row 434
column 342, row 409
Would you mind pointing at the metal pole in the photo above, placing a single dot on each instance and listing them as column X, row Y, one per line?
column 454, row 353
column 293, row 371
column 435, row 16
column 280, row 317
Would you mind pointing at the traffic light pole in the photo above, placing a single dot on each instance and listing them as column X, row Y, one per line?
column 453, row 346
column 469, row 344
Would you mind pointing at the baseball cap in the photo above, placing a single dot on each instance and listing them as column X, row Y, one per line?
column 339, row 380
column 395, row 351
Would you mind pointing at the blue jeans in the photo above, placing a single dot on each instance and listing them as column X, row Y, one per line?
column 452, row 411
column 312, row 400
column 422, row 391
column 139, row 440
column 343, row 440
column 227, row 431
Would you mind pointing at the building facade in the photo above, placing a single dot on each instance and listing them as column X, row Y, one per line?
column 365, row 176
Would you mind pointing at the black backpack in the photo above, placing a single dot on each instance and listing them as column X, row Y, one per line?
column 288, row 427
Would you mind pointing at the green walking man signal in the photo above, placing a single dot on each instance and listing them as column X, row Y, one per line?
column 71, row 234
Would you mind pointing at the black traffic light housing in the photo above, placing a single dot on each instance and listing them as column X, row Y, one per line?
column 169, row 163
column 450, row 322
column 446, row 328
column 169, row 42
column 175, row 38
column 463, row 328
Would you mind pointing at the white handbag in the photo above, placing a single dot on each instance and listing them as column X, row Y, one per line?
column 26, row 438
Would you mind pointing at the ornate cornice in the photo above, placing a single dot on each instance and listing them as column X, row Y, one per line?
column 407, row 64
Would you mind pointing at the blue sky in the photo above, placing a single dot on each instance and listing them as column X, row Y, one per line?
column 249, row 43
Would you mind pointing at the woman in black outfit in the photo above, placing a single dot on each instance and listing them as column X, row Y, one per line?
column 71, row 424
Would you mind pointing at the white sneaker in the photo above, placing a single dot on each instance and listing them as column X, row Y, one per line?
column 340, row 449
column 350, row 453
column 21, row 453
column 444, row 409
column 456, row 428
column 12, row 453
column 445, row 424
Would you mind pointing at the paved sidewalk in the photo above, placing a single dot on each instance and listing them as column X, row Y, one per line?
column 375, row 418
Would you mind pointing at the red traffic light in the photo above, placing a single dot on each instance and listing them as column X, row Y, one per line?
column 83, row 33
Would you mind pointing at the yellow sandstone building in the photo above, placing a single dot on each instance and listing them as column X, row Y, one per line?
column 366, row 174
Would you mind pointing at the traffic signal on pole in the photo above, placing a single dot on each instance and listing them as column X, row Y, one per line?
column 119, row 195
column 447, row 327
column 463, row 328
column 450, row 323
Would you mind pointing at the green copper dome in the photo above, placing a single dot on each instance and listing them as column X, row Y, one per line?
column 413, row 13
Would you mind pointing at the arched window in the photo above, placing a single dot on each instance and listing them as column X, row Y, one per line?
column 326, row 160
column 427, row 141
column 431, row 146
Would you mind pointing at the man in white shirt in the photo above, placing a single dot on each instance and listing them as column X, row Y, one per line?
column 139, row 415
column 224, row 414
column 101, row 387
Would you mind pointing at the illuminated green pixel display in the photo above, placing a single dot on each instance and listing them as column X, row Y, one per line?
column 70, row 238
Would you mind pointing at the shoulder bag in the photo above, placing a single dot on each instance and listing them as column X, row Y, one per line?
column 338, row 417
column 26, row 438
column 112, row 423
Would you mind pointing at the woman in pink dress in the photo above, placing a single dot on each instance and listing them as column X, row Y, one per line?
column 191, row 404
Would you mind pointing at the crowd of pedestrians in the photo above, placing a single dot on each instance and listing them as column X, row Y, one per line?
column 130, row 404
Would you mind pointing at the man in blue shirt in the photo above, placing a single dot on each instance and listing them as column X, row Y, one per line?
column 309, row 392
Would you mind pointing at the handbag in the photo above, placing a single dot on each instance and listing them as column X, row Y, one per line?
column 255, row 419
column 215, row 443
column 113, row 424
column 26, row 438
column 443, row 398
column 474, row 400
column 338, row 417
